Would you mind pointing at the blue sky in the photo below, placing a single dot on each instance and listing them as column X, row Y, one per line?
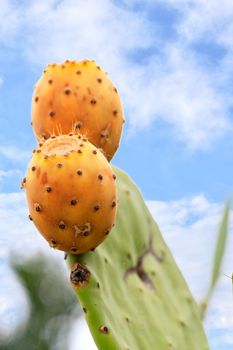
column 172, row 62
column 173, row 73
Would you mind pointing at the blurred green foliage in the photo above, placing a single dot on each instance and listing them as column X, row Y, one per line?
column 53, row 307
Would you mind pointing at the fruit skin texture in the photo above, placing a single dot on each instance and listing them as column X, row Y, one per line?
column 78, row 97
column 71, row 193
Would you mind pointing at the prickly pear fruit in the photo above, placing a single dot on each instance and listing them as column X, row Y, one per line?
column 71, row 193
column 78, row 97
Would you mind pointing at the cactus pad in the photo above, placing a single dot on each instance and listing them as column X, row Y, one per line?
column 131, row 290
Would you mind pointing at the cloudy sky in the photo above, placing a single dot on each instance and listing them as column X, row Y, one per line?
column 172, row 62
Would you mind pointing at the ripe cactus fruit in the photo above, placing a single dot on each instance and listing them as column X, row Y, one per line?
column 132, row 292
column 71, row 193
column 78, row 97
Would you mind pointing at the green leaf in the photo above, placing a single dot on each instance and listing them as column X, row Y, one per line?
column 218, row 257
column 220, row 247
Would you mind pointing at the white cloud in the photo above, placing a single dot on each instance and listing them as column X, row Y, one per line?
column 15, row 231
column 188, row 226
column 10, row 21
column 7, row 175
column 208, row 22
column 81, row 337
column 14, row 153
column 184, row 95
column 210, row 18
column 13, row 175
column 18, row 236
column 191, row 220
column 172, row 84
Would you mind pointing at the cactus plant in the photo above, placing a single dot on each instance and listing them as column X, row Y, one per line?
column 131, row 291
column 60, row 175
column 78, row 97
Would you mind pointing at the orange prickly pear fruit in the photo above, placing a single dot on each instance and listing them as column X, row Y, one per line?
column 78, row 97
column 71, row 193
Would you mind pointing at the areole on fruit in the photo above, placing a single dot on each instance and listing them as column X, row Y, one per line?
column 71, row 195
column 78, row 97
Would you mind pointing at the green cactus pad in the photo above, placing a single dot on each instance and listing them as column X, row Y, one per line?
column 130, row 288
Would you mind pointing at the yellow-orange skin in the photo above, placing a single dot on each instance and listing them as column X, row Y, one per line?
column 78, row 97
column 88, row 190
